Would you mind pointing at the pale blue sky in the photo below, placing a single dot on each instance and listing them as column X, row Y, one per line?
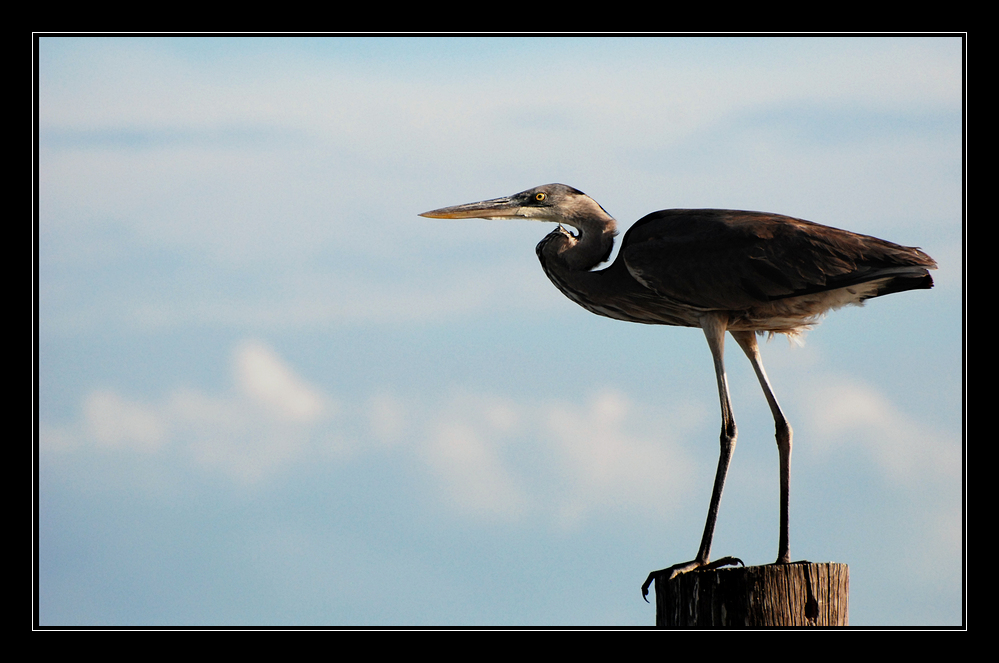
column 270, row 393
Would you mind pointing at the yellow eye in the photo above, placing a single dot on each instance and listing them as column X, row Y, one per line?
column 539, row 197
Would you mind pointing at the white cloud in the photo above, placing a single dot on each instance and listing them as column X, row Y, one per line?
column 490, row 457
column 472, row 472
column 565, row 462
column 264, row 378
column 611, row 459
column 114, row 422
column 856, row 415
column 234, row 436
column 264, row 425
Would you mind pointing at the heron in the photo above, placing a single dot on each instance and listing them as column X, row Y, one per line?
column 747, row 273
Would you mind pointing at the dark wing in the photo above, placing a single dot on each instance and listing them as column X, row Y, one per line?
column 724, row 259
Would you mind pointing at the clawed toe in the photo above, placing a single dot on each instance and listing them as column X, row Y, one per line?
column 718, row 563
column 686, row 567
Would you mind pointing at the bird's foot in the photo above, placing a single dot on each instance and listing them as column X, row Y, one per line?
column 686, row 567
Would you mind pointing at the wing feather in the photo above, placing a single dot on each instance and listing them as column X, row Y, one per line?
column 725, row 259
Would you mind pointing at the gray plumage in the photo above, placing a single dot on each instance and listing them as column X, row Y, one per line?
column 747, row 273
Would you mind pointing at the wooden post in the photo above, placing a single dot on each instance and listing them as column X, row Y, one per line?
column 799, row 594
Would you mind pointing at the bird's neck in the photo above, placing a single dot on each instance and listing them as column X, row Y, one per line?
column 585, row 250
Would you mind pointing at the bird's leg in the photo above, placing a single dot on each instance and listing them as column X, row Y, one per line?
column 747, row 340
column 714, row 331
column 714, row 326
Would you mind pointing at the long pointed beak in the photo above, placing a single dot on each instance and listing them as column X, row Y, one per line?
column 487, row 209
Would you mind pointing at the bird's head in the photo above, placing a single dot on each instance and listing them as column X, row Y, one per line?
column 556, row 203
